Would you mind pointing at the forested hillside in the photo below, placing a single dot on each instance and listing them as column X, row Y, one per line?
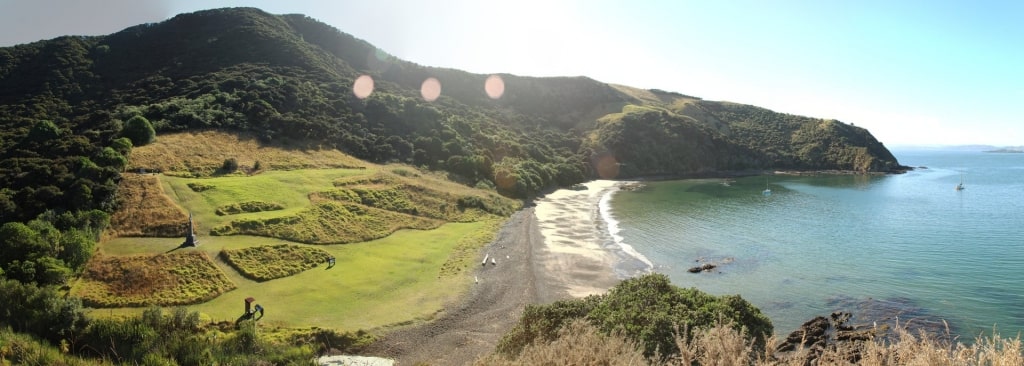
column 290, row 78
column 72, row 109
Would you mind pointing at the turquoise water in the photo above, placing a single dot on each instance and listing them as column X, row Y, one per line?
column 906, row 246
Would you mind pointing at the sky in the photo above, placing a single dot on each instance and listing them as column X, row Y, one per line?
column 933, row 72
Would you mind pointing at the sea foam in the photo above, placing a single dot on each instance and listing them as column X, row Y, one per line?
column 629, row 262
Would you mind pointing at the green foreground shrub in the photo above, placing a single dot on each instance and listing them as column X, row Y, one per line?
column 647, row 310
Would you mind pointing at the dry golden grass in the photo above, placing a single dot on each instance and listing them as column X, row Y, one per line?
column 581, row 344
column 926, row 349
column 145, row 209
column 202, row 153
column 268, row 262
column 182, row 278
column 578, row 343
column 646, row 96
column 418, row 199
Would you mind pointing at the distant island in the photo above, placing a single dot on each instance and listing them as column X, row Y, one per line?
column 1007, row 150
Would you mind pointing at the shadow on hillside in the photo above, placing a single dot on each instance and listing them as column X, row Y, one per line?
column 182, row 246
column 248, row 316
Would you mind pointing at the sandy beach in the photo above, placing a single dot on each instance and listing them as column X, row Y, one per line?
column 572, row 259
column 547, row 252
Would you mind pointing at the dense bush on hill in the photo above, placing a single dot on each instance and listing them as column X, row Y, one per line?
column 51, row 249
column 289, row 77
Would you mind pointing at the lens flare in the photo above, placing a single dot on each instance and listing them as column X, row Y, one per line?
column 607, row 167
column 363, row 86
column 494, row 86
column 431, row 89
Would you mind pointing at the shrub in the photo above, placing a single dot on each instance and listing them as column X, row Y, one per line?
column 404, row 172
column 230, row 165
column 251, row 206
column 540, row 323
column 199, row 187
column 139, row 131
column 648, row 310
column 578, row 343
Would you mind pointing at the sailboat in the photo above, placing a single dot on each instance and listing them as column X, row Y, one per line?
column 960, row 187
column 767, row 191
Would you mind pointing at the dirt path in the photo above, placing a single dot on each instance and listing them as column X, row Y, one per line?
column 472, row 328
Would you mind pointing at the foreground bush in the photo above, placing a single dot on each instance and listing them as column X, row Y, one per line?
column 579, row 343
column 648, row 310
column 23, row 349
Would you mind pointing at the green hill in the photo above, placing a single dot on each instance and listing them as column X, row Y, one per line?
column 289, row 78
column 73, row 109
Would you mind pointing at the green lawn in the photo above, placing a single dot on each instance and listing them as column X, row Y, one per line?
column 289, row 188
column 377, row 283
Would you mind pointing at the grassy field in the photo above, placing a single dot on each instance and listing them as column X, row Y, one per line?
column 288, row 188
column 202, row 153
column 317, row 196
column 394, row 280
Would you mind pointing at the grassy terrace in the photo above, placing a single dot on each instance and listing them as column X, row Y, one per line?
column 318, row 197
column 289, row 188
column 387, row 281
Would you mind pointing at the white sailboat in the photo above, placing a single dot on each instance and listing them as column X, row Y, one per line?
column 767, row 190
column 960, row 187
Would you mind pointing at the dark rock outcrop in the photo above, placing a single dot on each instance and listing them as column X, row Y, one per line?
column 828, row 334
column 706, row 267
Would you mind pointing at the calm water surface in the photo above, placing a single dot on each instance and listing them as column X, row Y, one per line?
column 904, row 245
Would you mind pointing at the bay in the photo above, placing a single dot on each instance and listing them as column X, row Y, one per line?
column 906, row 246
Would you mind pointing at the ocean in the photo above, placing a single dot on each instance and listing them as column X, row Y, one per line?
column 884, row 247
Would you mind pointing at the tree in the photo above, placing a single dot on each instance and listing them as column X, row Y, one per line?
column 122, row 145
column 77, row 247
column 43, row 132
column 20, row 242
column 111, row 158
column 139, row 131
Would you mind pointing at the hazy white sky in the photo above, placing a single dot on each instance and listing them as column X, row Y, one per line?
column 912, row 72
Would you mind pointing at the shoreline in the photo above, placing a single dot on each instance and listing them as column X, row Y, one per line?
column 725, row 174
column 555, row 249
column 581, row 253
